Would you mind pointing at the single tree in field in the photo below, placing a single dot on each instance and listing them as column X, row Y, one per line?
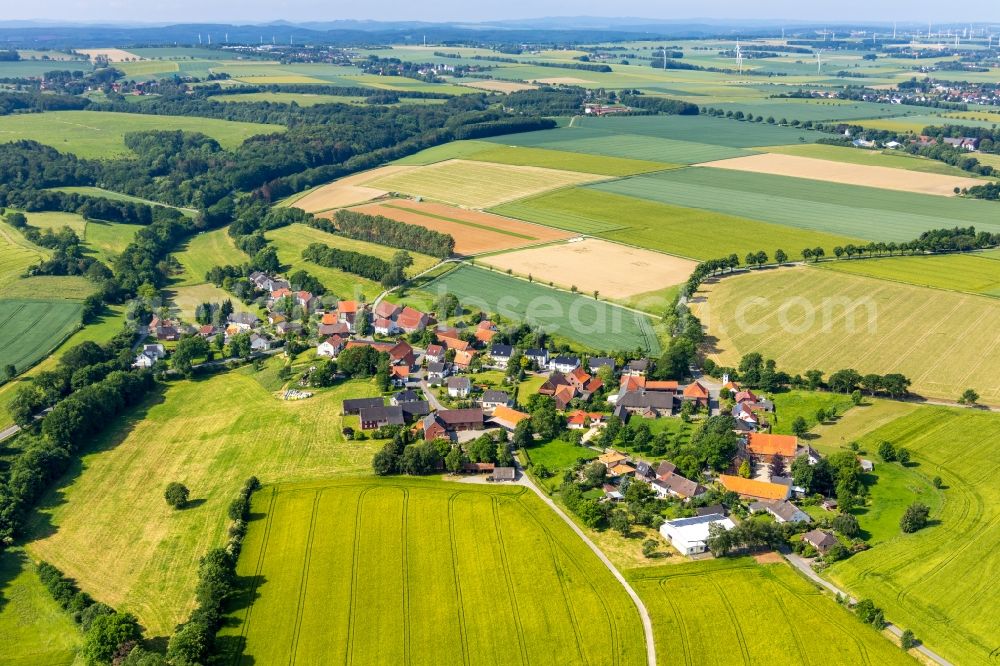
column 176, row 495
column 818, row 253
column 761, row 258
column 887, row 451
column 908, row 640
column 780, row 256
column 620, row 522
column 649, row 547
column 968, row 397
column 915, row 517
column 838, row 251
column 9, row 371
column 821, row 415
column 807, row 254
column 750, row 260
column 799, row 426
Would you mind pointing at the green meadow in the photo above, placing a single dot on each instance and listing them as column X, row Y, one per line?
column 100, row 134
column 31, row 328
column 974, row 273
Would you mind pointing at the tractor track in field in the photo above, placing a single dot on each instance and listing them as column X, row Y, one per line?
column 510, row 586
column 351, row 624
column 304, row 580
column 735, row 621
column 463, row 631
column 406, row 580
column 685, row 645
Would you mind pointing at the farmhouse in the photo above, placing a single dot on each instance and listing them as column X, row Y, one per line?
column 581, row 419
column 762, row 490
column 404, row 396
column 436, row 372
column 149, row 355
column 583, row 383
column 766, row 446
column 612, row 458
column 783, row 512
column 677, row 486
column 376, row 417
column 434, row 353
column 638, row 367
column 564, row 363
column 501, row 474
column 411, row 320
column 507, row 418
column 648, row 405
column 384, row 326
column 441, row 424
column 690, row 535
column 386, row 310
column 697, row 393
column 261, row 343
column 355, row 405
column 540, row 357
column 244, row 321
column 820, row 540
column 595, row 363
column 463, row 359
column 336, row 328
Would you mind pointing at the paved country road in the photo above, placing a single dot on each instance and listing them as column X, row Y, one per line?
column 802, row 565
column 647, row 624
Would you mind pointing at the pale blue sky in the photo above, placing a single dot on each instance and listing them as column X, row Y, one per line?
column 240, row 11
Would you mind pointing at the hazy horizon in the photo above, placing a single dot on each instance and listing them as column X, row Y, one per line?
column 299, row 11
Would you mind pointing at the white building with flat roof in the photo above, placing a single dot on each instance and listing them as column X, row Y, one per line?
column 690, row 535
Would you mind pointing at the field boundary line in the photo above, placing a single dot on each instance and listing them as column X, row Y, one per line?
column 803, row 655
column 304, row 581
column 685, row 647
column 466, row 223
column 458, row 584
column 406, row 580
column 510, row 585
column 964, row 292
column 260, row 566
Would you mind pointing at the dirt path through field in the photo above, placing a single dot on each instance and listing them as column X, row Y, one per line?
column 849, row 174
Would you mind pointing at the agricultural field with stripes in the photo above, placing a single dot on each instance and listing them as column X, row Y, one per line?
column 977, row 273
column 31, row 328
column 423, row 572
column 806, row 318
column 737, row 611
column 923, row 580
column 596, row 325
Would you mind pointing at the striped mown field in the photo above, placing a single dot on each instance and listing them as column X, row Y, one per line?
column 416, row 571
column 31, row 328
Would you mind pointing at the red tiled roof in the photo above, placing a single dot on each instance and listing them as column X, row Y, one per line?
column 661, row 385
column 329, row 318
column 695, row 390
column 754, row 488
column 347, row 307
column 765, row 444
column 633, row 383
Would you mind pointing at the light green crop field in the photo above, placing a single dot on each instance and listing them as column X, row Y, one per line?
column 302, row 99
column 31, row 328
column 688, row 232
column 477, row 184
column 805, row 318
column 732, row 611
column 598, row 325
column 59, row 287
column 923, row 580
column 789, row 405
column 817, row 109
column 118, row 196
column 702, row 129
column 887, row 158
column 205, row 251
column 850, row 210
column 99, row 331
column 424, row 572
column 108, row 239
column 33, row 629
column 916, row 124
column 974, row 273
column 290, row 241
column 116, row 497
column 100, row 134
column 16, row 255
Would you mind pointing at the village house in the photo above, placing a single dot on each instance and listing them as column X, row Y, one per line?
column 754, row 489
column 638, row 367
column 353, row 406
column 665, row 469
column 783, row 512
column 383, row 326
column 149, row 355
column 402, row 354
column 690, row 535
column 330, row 347
column 410, row 320
column 287, row 328
column 404, row 396
column 765, row 446
column 580, row 419
column 434, row 353
column 458, row 344
column 502, row 474
column 595, row 363
column 583, row 384
column 485, row 332
column 820, row 540
column 540, row 358
column 500, row 356
column 399, row 375
column 206, row 331
column 644, row 471
column 264, row 282
column 336, row 328
column 646, row 404
column 347, row 313
column 386, row 310
column 621, row 470
column 261, row 343
column 458, row 387
column 436, row 372
column 492, row 399
column 612, row 458
column 463, row 359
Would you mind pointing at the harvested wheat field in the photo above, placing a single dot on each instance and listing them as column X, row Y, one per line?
column 616, row 271
column 474, row 231
column 477, row 184
column 113, row 55
column 347, row 191
column 848, row 174
column 495, row 86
